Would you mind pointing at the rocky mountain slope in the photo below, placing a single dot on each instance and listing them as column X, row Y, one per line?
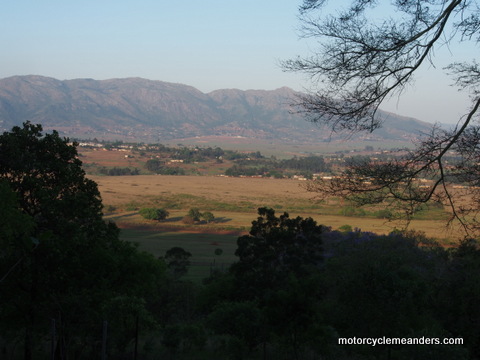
column 146, row 110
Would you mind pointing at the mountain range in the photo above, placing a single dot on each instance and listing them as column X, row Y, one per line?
column 146, row 110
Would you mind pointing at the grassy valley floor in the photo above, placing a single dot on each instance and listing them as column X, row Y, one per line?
column 234, row 202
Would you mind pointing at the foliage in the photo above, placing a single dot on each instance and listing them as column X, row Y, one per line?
column 154, row 213
column 462, row 315
column 195, row 214
column 346, row 228
column 154, row 165
column 115, row 171
column 184, row 338
column 177, row 261
column 279, row 169
column 277, row 246
column 383, row 214
column 14, row 224
column 314, row 164
column 396, row 281
column 296, row 288
column 208, row 216
column 364, row 59
column 76, row 262
column 242, row 320
column 158, row 167
column 281, row 254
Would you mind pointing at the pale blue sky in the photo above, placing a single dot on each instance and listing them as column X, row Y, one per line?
column 208, row 44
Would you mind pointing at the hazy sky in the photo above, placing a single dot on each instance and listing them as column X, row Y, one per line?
column 208, row 44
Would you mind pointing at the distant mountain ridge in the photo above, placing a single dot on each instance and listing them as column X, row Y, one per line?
column 146, row 110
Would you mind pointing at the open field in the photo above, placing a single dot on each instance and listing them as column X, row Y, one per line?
column 233, row 201
column 117, row 190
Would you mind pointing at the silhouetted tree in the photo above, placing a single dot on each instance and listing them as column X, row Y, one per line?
column 72, row 261
column 277, row 246
column 278, row 266
column 177, row 260
column 364, row 59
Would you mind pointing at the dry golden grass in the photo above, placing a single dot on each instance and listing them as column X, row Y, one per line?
column 118, row 190
column 245, row 195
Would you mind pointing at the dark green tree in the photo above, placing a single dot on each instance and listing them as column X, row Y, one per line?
column 387, row 286
column 177, row 260
column 16, row 247
column 276, row 247
column 79, row 262
column 208, row 216
column 241, row 320
column 459, row 294
column 154, row 165
column 278, row 265
column 154, row 214
column 194, row 214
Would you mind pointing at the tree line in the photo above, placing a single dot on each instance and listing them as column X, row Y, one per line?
column 306, row 166
column 71, row 289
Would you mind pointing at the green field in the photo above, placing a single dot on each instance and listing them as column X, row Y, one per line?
column 202, row 246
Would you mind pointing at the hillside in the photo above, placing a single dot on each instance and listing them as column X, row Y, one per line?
column 146, row 110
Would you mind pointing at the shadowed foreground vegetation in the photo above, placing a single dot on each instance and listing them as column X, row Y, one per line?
column 75, row 287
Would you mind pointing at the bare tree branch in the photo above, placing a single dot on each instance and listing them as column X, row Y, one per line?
column 359, row 64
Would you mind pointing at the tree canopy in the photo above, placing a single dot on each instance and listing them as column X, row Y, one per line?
column 64, row 261
column 369, row 52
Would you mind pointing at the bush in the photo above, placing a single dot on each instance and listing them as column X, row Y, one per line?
column 383, row 214
column 154, row 214
column 208, row 216
column 195, row 214
column 345, row 228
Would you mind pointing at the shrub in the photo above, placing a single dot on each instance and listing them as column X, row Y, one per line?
column 345, row 228
column 195, row 214
column 154, row 214
column 383, row 214
column 208, row 216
